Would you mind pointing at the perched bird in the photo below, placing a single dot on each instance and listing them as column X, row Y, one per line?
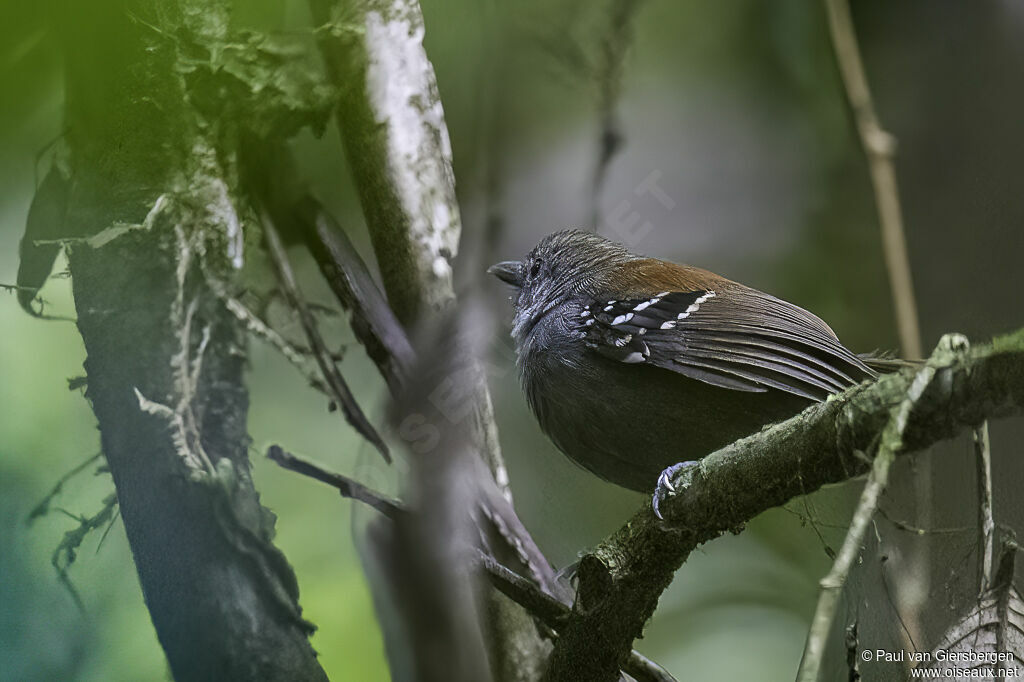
column 633, row 364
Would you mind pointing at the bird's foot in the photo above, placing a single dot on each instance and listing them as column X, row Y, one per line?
column 665, row 489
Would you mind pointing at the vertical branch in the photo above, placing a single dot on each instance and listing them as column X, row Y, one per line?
column 425, row 557
column 396, row 141
column 986, row 524
column 880, row 147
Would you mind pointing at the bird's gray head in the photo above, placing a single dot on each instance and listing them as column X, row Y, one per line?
column 561, row 266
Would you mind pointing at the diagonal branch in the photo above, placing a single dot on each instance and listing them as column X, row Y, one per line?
column 396, row 141
column 350, row 488
column 373, row 322
column 339, row 389
column 272, row 180
column 621, row 580
column 548, row 609
column 555, row 614
column 890, row 443
column 880, row 147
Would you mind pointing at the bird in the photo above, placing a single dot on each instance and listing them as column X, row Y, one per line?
column 636, row 367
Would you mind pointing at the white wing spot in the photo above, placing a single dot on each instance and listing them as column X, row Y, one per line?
column 695, row 306
column 622, row 318
column 670, row 324
column 633, row 358
column 585, row 313
column 589, row 322
column 705, row 297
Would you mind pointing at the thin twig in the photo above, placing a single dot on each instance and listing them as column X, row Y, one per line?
column 258, row 326
column 852, row 647
column 373, row 322
column 348, row 487
column 106, row 531
column 917, row 530
column 986, row 523
column 890, row 443
column 335, row 382
column 271, row 178
column 67, row 550
column 549, row 610
column 546, row 608
column 879, row 146
column 43, row 507
column 15, row 287
column 892, row 602
column 554, row 614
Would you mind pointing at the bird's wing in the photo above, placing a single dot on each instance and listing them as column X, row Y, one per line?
column 728, row 336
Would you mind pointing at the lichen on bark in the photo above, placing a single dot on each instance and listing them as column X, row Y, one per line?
column 155, row 233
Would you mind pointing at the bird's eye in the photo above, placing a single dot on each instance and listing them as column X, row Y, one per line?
column 535, row 269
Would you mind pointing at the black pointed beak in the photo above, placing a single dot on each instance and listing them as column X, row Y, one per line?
column 507, row 271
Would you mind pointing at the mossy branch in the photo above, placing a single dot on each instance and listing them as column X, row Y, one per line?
column 622, row 579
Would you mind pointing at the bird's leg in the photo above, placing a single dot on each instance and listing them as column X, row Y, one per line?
column 665, row 489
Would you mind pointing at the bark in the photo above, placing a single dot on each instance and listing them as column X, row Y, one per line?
column 392, row 126
column 396, row 141
column 153, row 238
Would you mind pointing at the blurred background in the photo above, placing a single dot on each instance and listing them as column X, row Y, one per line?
column 735, row 112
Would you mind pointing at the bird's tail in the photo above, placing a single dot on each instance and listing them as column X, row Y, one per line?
column 886, row 362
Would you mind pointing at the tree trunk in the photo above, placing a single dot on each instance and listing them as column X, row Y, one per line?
column 154, row 240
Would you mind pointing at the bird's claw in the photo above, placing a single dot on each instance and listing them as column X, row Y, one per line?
column 664, row 488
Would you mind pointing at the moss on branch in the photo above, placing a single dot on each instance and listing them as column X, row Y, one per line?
column 621, row 580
